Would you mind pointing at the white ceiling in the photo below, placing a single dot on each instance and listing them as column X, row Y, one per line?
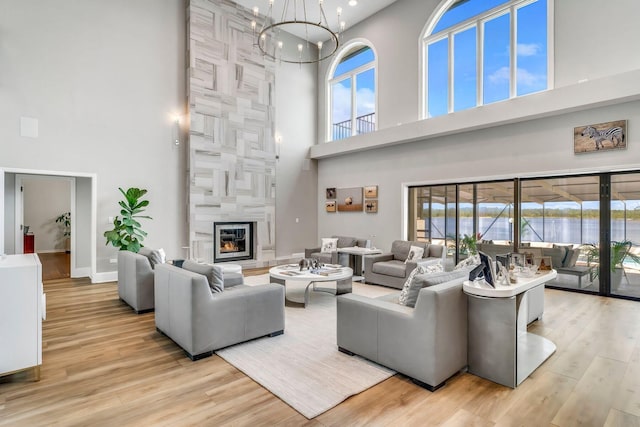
column 350, row 14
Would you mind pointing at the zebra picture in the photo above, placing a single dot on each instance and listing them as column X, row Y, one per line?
column 592, row 137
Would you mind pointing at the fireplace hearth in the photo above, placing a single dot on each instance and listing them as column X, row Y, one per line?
column 233, row 241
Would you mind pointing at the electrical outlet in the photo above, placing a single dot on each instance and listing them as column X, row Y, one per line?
column 110, row 220
column 113, row 260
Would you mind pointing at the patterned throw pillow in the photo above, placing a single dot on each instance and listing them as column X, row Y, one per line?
column 329, row 245
column 472, row 260
column 415, row 253
column 410, row 290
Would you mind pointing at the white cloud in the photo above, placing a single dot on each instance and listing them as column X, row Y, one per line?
column 530, row 49
column 525, row 78
column 341, row 108
column 366, row 99
column 499, row 76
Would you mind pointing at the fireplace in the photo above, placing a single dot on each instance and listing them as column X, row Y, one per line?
column 233, row 241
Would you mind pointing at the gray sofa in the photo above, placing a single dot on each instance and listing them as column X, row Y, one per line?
column 135, row 281
column 201, row 322
column 390, row 269
column 334, row 257
column 427, row 343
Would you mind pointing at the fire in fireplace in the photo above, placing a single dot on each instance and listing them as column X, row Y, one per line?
column 233, row 241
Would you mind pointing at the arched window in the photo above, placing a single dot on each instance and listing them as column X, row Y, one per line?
column 477, row 52
column 352, row 92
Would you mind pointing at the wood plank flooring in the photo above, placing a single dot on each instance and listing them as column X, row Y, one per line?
column 106, row 366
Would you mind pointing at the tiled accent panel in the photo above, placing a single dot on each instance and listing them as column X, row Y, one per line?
column 231, row 138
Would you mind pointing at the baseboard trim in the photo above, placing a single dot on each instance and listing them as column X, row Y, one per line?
column 81, row 272
column 109, row 276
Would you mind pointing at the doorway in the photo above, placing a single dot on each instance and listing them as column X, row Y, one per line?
column 82, row 209
column 44, row 208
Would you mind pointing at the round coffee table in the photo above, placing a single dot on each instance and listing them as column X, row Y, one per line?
column 291, row 272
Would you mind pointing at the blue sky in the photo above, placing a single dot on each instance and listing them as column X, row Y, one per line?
column 531, row 56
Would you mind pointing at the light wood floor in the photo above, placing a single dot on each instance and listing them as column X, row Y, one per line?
column 105, row 366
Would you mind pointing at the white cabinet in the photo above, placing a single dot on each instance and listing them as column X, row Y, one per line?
column 21, row 313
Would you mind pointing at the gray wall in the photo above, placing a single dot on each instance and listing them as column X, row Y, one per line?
column 9, row 212
column 44, row 199
column 104, row 79
column 296, row 175
column 83, row 223
column 533, row 147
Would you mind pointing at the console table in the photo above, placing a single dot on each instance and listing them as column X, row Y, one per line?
column 22, row 308
column 499, row 347
column 356, row 259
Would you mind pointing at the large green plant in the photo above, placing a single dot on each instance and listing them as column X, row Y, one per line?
column 619, row 252
column 127, row 233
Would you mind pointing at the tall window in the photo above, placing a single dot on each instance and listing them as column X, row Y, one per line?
column 483, row 51
column 353, row 94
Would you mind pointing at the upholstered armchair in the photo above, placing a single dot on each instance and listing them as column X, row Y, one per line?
column 135, row 281
column 202, row 321
column 334, row 257
column 392, row 268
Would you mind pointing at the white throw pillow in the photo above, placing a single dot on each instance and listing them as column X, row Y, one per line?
column 410, row 291
column 329, row 245
column 415, row 253
column 472, row 260
column 163, row 255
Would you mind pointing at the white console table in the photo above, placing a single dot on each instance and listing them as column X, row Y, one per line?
column 22, row 308
column 499, row 347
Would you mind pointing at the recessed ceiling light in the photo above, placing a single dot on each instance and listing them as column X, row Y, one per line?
column 353, row 2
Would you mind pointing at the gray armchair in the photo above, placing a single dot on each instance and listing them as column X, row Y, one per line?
column 335, row 257
column 427, row 343
column 135, row 281
column 390, row 269
column 201, row 322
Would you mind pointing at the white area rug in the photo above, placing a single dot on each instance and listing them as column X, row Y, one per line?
column 303, row 367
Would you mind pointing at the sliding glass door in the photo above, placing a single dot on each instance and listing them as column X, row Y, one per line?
column 588, row 225
column 625, row 235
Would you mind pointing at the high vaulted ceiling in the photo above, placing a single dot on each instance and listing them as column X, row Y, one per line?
column 350, row 14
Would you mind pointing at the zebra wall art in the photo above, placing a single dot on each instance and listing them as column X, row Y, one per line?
column 615, row 135
column 592, row 137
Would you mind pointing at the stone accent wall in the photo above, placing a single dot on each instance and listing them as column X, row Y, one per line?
column 231, row 137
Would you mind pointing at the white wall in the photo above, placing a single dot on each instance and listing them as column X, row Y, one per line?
column 104, row 80
column 583, row 50
column 534, row 147
column 296, row 175
column 44, row 199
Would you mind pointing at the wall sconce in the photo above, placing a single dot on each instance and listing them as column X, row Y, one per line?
column 175, row 133
column 278, row 145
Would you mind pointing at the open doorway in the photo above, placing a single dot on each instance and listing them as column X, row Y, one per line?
column 44, row 208
column 80, row 204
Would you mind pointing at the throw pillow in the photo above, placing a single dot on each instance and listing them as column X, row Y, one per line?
column 571, row 258
column 213, row 273
column 329, row 245
column 152, row 254
column 411, row 287
column 415, row 253
column 163, row 255
column 472, row 260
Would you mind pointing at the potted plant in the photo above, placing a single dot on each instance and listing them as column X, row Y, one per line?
column 65, row 221
column 127, row 233
column 620, row 251
column 468, row 244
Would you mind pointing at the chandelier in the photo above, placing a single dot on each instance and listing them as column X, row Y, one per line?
column 311, row 26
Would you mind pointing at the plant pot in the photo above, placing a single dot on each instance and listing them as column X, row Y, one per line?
column 67, row 245
column 616, row 278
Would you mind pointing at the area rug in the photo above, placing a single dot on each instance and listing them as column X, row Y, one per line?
column 303, row 367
